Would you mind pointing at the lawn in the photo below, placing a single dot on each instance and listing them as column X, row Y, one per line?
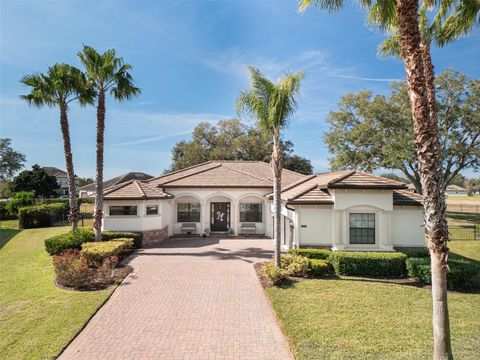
column 37, row 319
column 453, row 198
column 359, row 319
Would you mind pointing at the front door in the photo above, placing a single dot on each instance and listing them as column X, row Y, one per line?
column 220, row 216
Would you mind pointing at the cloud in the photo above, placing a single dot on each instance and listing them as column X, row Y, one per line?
column 362, row 78
column 151, row 139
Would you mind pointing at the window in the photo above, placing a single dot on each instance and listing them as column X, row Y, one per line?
column 123, row 210
column 250, row 212
column 152, row 210
column 362, row 228
column 188, row 212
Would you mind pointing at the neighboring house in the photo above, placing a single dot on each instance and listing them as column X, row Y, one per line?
column 89, row 190
column 345, row 210
column 412, row 188
column 455, row 190
column 62, row 179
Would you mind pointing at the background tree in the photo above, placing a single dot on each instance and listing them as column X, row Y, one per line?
column 232, row 140
column 11, row 161
column 20, row 199
column 61, row 85
column 271, row 104
column 372, row 132
column 109, row 75
column 394, row 176
column 84, row 181
column 36, row 181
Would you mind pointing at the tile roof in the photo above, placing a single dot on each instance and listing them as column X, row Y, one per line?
column 135, row 190
column 454, row 187
column 315, row 189
column 53, row 171
column 405, row 197
column 133, row 175
column 226, row 174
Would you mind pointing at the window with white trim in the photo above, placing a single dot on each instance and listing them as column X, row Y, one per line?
column 123, row 210
column 362, row 228
column 188, row 212
column 151, row 210
column 250, row 212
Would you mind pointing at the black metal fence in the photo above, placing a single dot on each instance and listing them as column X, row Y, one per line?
column 464, row 232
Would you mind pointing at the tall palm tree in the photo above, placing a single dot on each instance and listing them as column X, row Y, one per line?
column 272, row 104
column 61, row 85
column 412, row 39
column 108, row 74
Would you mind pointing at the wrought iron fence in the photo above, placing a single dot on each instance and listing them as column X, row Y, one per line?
column 464, row 232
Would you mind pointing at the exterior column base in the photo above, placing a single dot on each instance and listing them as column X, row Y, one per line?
column 387, row 248
column 338, row 247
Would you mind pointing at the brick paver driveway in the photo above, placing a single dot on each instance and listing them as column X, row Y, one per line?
column 187, row 299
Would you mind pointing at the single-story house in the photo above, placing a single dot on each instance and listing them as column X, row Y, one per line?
column 348, row 210
column 89, row 189
column 455, row 190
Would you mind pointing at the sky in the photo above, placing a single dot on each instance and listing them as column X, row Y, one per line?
column 189, row 60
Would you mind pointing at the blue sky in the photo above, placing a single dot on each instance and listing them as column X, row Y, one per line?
column 189, row 60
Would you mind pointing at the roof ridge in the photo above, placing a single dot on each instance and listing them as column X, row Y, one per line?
column 137, row 184
column 381, row 177
column 114, row 187
column 195, row 173
column 177, row 171
column 247, row 173
column 298, row 182
column 341, row 177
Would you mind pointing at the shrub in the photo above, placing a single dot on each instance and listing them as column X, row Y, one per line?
column 462, row 274
column 323, row 254
column 41, row 215
column 72, row 270
column 96, row 252
column 113, row 235
column 319, row 267
column 20, row 199
column 57, row 244
column 417, row 253
column 369, row 264
column 275, row 274
column 4, row 212
column 294, row 265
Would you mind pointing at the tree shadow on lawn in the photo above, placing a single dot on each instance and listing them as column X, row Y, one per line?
column 6, row 235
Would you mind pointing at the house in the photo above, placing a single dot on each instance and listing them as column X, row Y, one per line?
column 455, row 190
column 89, row 189
column 348, row 210
column 62, row 179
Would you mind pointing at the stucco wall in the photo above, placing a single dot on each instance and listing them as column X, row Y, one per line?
column 315, row 225
column 139, row 222
column 407, row 226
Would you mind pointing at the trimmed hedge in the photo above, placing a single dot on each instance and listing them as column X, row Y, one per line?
column 462, row 275
column 418, row 253
column 290, row 265
column 111, row 235
column 41, row 215
column 323, row 254
column 57, row 244
column 319, row 267
column 96, row 252
column 369, row 264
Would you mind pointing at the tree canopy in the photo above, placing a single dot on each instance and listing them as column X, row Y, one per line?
column 370, row 132
column 11, row 161
column 232, row 140
column 36, row 181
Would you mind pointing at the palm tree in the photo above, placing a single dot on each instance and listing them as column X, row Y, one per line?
column 272, row 104
column 108, row 74
column 61, row 85
column 412, row 38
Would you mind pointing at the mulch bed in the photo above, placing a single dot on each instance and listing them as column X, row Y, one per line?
column 118, row 274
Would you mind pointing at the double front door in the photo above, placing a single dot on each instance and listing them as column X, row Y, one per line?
column 220, row 216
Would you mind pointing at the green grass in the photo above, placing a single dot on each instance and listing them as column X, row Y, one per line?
column 9, row 224
column 474, row 198
column 348, row 319
column 37, row 319
column 466, row 249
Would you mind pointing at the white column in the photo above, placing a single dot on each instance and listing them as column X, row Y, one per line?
column 387, row 231
column 340, row 222
column 234, row 215
column 204, row 215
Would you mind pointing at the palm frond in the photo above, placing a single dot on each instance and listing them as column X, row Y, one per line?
column 328, row 5
column 390, row 46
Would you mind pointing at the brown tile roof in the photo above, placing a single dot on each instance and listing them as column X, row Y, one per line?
column 226, row 174
column 133, row 175
column 315, row 189
column 53, row 171
column 135, row 190
column 406, row 197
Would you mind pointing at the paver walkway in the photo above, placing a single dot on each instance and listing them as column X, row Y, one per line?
column 187, row 299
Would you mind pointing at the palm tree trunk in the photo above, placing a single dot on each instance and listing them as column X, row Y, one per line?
column 99, row 174
column 277, row 189
column 428, row 151
column 67, row 149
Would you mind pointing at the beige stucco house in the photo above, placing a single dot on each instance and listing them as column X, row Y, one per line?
column 348, row 210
